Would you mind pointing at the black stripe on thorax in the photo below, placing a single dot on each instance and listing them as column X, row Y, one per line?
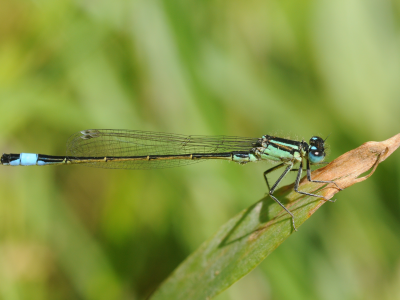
column 282, row 140
column 276, row 142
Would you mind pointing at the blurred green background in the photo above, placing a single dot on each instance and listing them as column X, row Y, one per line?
column 246, row 68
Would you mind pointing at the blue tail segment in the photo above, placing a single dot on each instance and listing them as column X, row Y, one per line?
column 31, row 159
column 28, row 159
column 22, row 159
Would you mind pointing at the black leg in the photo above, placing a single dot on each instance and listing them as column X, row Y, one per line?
column 296, row 184
column 320, row 181
column 269, row 171
column 320, row 163
column 292, row 170
column 275, row 186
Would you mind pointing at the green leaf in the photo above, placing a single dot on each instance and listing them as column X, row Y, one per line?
column 245, row 240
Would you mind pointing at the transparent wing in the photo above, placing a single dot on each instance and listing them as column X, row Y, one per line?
column 123, row 143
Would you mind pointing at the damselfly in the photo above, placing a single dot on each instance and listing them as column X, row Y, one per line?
column 131, row 149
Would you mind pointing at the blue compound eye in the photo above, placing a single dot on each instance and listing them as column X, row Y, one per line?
column 316, row 156
column 316, row 152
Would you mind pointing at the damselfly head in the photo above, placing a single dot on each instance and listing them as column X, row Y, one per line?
column 316, row 150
